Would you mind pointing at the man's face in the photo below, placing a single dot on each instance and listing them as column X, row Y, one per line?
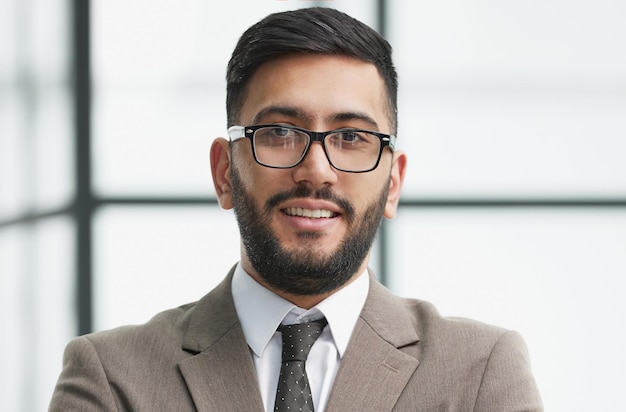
column 308, row 230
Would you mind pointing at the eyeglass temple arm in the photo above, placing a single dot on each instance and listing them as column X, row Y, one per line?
column 236, row 132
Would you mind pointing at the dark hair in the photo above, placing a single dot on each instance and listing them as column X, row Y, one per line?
column 311, row 30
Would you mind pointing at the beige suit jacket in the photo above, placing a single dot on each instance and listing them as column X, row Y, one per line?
column 403, row 356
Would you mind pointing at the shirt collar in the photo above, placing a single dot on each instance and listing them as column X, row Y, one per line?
column 260, row 311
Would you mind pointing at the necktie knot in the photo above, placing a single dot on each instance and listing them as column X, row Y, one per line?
column 298, row 339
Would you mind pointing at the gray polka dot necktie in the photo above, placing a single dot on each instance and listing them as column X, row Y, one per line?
column 293, row 393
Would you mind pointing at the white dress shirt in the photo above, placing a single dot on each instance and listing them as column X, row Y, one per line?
column 260, row 311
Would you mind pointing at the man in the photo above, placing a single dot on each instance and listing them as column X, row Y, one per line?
column 310, row 169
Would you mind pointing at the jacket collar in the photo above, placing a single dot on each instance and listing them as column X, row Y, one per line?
column 381, row 357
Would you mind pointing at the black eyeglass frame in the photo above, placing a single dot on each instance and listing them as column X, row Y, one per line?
column 239, row 132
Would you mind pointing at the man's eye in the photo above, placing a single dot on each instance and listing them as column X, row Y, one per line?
column 281, row 132
column 349, row 136
column 354, row 137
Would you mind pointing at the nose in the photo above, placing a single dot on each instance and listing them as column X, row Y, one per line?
column 315, row 168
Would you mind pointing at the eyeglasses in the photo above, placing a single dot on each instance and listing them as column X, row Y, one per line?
column 283, row 147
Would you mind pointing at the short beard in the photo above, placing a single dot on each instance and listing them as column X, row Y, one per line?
column 304, row 272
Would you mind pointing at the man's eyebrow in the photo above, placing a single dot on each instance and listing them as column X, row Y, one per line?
column 298, row 114
column 358, row 116
column 288, row 111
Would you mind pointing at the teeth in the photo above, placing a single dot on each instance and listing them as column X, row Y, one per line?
column 313, row 214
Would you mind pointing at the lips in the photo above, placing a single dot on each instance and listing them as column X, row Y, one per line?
column 309, row 213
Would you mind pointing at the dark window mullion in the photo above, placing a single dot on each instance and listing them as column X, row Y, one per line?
column 84, row 204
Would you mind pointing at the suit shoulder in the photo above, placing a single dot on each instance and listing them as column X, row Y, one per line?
column 432, row 326
column 116, row 369
column 164, row 328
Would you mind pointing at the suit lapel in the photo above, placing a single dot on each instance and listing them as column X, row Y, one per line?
column 381, row 357
column 221, row 375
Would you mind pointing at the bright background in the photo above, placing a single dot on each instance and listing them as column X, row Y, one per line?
column 513, row 115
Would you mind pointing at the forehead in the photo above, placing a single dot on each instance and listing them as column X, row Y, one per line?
column 317, row 91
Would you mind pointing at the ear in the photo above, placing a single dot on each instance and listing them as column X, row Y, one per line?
column 220, row 169
column 398, row 170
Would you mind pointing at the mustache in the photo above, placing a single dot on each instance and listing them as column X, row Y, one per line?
column 306, row 191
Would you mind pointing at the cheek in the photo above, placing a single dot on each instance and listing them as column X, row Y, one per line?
column 261, row 183
column 363, row 194
column 249, row 171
